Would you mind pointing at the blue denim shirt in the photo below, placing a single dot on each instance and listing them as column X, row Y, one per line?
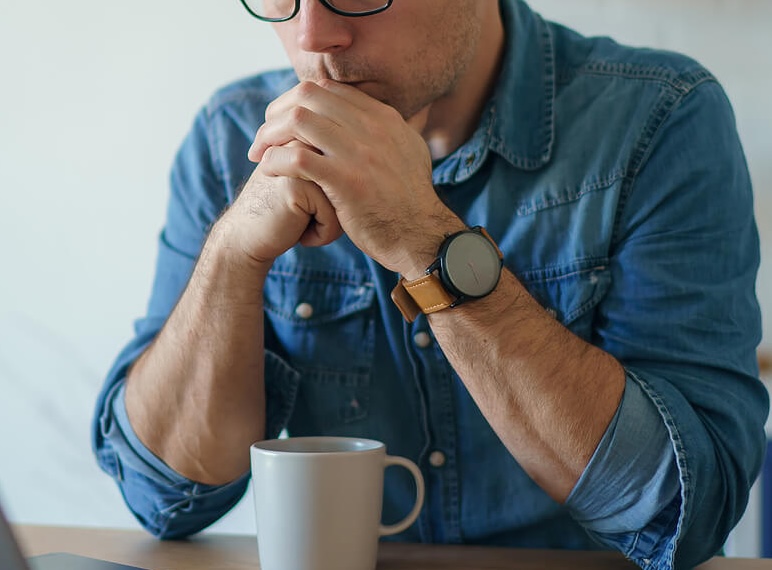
column 614, row 182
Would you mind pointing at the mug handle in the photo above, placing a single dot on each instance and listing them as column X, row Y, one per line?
column 386, row 530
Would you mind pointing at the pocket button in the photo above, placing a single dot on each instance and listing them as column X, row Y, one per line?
column 304, row 311
column 437, row 459
column 422, row 340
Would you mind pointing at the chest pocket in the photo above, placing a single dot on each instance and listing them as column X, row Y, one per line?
column 323, row 325
column 570, row 294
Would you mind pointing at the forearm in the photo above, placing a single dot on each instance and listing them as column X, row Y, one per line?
column 196, row 396
column 548, row 394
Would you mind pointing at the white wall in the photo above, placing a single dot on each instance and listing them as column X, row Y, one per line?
column 95, row 98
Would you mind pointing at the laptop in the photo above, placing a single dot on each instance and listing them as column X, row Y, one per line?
column 11, row 557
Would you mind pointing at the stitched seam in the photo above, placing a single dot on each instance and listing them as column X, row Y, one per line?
column 682, row 82
column 681, row 461
column 554, row 271
column 642, row 151
column 324, row 276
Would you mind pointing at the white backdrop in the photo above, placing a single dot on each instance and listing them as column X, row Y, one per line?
column 95, row 98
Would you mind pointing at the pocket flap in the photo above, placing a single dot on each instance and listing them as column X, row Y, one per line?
column 312, row 297
column 569, row 292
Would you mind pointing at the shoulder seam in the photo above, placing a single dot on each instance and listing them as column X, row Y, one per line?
column 659, row 115
column 682, row 82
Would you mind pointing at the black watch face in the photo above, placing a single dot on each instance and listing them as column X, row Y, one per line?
column 471, row 264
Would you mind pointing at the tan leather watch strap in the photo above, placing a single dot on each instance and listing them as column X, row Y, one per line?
column 423, row 295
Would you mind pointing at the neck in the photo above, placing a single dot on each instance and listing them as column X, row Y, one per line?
column 451, row 120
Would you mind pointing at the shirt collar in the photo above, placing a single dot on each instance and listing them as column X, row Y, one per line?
column 518, row 121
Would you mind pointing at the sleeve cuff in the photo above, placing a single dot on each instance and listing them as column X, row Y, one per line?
column 281, row 388
column 133, row 452
column 166, row 503
column 632, row 476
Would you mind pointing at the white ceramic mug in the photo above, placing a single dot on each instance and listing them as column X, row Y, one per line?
column 318, row 502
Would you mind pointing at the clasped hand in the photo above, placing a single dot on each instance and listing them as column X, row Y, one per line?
column 333, row 159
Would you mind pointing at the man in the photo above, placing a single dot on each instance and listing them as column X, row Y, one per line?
column 600, row 390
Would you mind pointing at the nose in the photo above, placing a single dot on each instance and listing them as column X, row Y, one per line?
column 322, row 31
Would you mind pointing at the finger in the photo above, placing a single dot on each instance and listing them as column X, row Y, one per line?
column 298, row 144
column 367, row 105
column 276, row 133
column 305, row 200
column 308, row 166
column 301, row 124
column 325, row 96
column 309, row 201
column 352, row 95
column 293, row 144
column 342, row 104
column 324, row 227
column 292, row 162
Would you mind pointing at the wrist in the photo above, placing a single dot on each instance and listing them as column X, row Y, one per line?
column 424, row 252
column 224, row 266
column 226, row 246
column 467, row 267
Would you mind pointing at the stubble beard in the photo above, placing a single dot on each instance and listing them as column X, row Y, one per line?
column 425, row 82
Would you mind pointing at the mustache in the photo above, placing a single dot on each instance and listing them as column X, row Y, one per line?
column 340, row 71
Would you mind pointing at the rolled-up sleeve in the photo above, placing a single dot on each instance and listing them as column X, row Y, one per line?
column 637, row 463
column 682, row 317
column 165, row 503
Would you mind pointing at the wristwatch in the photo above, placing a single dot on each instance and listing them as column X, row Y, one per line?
column 468, row 266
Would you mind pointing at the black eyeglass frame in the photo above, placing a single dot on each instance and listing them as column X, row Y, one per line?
column 326, row 4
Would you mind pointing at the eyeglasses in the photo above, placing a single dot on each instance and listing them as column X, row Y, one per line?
column 283, row 10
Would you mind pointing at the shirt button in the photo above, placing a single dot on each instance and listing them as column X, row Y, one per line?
column 422, row 340
column 304, row 310
column 437, row 459
column 552, row 312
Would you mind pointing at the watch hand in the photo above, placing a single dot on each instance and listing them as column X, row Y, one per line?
column 474, row 273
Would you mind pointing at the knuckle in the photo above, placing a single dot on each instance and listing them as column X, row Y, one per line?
column 270, row 110
column 301, row 159
column 325, row 83
column 299, row 114
column 306, row 89
column 271, row 160
column 391, row 114
column 268, row 154
column 295, row 161
column 297, row 197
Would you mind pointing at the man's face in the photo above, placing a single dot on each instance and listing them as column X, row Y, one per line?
column 408, row 56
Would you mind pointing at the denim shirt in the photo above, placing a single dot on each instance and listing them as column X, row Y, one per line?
column 615, row 184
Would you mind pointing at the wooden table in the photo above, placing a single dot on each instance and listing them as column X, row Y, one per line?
column 224, row 552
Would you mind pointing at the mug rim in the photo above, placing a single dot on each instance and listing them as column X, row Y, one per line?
column 276, row 446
